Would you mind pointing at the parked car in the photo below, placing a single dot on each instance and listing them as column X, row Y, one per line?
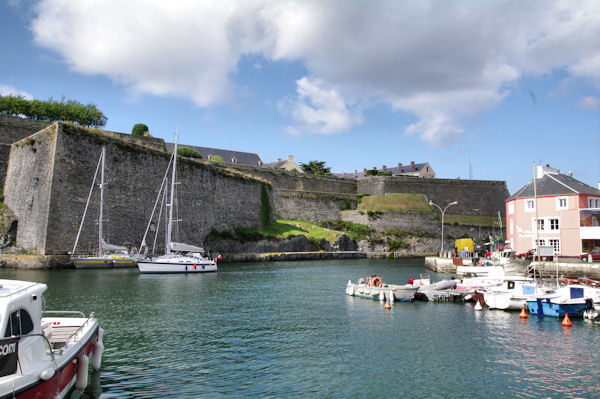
column 530, row 255
column 595, row 256
column 527, row 255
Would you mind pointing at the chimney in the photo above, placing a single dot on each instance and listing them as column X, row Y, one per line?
column 383, row 167
column 291, row 158
column 278, row 159
column 570, row 174
column 412, row 164
column 399, row 165
column 364, row 171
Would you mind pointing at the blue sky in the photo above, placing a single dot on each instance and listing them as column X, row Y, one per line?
column 479, row 89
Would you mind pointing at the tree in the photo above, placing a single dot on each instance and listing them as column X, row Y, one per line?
column 316, row 168
column 139, row 129
column 50, row 110
column 188, row 152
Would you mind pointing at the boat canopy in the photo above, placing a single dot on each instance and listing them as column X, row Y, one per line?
column 181, row 247
column 111, row 247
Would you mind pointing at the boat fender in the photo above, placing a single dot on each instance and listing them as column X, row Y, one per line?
column 97, row 355
column 47, row 374
column 82, row 372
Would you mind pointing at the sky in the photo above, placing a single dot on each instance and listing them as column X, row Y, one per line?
column 479, row 89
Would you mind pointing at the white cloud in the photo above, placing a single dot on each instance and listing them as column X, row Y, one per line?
column 321, row 109
column 443, row 61
column 590, row 102
column 6, row 90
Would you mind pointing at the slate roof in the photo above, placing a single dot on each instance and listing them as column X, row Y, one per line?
column 243, row 158
column 406, row 168
column 554, row 184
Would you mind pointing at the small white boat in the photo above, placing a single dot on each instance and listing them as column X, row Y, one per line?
column 108, row 255
column 42, row 354
column 513, row 293
column 375, row 288
column 178, row 257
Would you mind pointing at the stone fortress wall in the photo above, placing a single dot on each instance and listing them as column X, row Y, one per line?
column 50, row 173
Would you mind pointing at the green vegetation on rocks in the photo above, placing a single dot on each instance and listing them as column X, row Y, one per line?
column 394, row 203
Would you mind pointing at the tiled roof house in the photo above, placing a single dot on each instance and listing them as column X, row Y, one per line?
column 559, row 212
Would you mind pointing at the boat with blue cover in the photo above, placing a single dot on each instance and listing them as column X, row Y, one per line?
column 571, row 299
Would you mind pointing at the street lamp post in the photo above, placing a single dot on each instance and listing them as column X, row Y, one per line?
column 442, row 211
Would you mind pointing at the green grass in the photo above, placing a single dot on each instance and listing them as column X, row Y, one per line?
column 279, row 230
column 394, row 203
column 285, row 228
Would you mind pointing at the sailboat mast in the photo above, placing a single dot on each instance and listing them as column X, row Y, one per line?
column 170, row 224
column 101, row 214
column 537, row 238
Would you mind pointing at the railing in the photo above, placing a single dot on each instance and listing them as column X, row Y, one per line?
column 75, row 312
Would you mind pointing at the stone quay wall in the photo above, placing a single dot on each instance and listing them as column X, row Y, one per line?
column 50, row 174
column 474, row 197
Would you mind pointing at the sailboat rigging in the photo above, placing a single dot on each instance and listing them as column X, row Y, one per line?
column 178, row 257
column 108, row 255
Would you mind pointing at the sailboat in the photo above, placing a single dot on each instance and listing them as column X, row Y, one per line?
column 108, row 255
column 178, row 257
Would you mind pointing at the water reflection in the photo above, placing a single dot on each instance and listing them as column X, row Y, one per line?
column 288, row 329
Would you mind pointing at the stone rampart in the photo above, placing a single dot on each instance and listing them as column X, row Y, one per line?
column 294, row 181
column 49, row 181
column 424, row 222
column 311, row 206
column 474, row 197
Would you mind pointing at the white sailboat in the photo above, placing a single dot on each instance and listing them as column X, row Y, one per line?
column 108, row 255
column 178, row 257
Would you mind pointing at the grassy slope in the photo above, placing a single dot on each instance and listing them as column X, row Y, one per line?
column 394, row 203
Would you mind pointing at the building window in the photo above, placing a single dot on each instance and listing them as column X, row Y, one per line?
column 540, row 224
column 594, row 203
column 511, row 207
column 529, row 205
column 555, row 244
column 540, row 242
column 554, row 224
column 511, row 227
column 561, row 203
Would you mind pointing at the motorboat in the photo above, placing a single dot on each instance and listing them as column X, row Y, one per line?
column 178, row 257
column 513, row 293
column 43, row 354
column 374, row 288
column 572, row 299
column 108, row 255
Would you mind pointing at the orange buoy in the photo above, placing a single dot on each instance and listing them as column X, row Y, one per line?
column 566, row 321
column 387, row 305
column 523, row 314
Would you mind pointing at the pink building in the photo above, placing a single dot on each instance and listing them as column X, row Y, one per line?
column 565, row 212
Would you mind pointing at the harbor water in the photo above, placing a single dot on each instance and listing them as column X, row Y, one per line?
column 287, row 329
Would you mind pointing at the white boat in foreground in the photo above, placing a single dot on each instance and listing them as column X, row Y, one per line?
column 42, row 354
column 178, row 257
column 375, row 288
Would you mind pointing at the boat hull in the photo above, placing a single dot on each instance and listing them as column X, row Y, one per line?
column 63, row 380
column 545, row 307
column 387, row 292
column 171, row 267
column 103, row 263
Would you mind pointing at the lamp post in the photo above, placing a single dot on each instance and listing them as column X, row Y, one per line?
column 442, row 211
